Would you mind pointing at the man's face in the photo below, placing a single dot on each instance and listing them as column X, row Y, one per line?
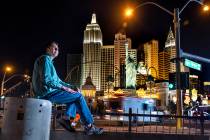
column 53, row 50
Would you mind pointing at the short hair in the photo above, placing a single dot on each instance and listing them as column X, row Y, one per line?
column 49, row 43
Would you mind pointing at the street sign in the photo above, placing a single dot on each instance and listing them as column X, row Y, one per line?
column 192, row 64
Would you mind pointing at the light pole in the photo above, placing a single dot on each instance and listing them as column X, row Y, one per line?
column 8, row 79
column 178, row 57
column 8, row 69
column 175, row 15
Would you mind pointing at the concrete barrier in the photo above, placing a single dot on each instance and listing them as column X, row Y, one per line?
column 26, row 119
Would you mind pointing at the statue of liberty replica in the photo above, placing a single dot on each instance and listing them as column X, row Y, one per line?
column 131, row 68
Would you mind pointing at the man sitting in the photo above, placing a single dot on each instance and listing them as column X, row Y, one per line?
column 47, row 85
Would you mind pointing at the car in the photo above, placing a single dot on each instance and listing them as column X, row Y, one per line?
column 197, row 111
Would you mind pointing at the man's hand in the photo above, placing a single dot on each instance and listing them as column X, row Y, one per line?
column 68, row 89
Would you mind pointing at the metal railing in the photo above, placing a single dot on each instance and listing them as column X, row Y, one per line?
column 149, row 123
column 157, row 124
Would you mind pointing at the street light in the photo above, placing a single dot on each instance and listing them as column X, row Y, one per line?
column 7, row 69
column 16, row 75
column 206, row 8
column 129, row 12
column 11, row 77
column 175, row 15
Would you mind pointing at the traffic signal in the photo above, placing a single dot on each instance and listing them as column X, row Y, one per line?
column 171, row 86
column 172, row 81
column 184, row 80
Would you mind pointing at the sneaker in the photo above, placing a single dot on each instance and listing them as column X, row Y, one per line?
column 93, row 130
column 67, row 125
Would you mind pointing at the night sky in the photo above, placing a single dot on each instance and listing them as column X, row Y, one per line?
column 25, row 26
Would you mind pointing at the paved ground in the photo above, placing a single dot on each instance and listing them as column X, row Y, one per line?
column 155, row 128
column 116, row 130
column 151, row 129
column 65, row 135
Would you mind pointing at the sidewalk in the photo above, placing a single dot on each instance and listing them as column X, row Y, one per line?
column 64, row 135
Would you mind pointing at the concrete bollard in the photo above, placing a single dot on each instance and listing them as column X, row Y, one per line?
column 26, row 119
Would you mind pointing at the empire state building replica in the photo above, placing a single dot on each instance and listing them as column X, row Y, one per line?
column 92, row 44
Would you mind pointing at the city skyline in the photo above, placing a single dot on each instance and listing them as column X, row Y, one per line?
column 22, row 37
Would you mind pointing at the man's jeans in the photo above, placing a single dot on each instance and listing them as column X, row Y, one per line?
column 74, row 102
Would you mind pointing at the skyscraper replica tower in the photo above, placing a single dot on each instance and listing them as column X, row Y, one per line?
column 171, row 49
column 91, row 65
column 164, row 65
column 107, row 66
column 120, row 44
column 151, row 57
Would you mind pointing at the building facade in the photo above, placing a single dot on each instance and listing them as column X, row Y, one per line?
column 120, row 44
column 170, row 47
column 92, row 43
column 107, row 66
column 164, row 64
column 151, row 57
